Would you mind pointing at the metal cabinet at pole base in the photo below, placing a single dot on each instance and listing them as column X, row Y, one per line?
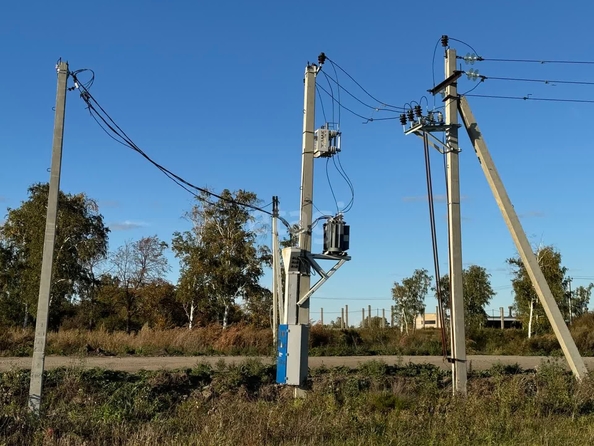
column 291, row 364
column 336, row 236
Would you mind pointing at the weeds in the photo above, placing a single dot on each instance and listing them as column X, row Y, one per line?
column 241, row 405
column 247, row 340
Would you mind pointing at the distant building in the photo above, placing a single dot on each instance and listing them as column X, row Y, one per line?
column 427, row 320
column 501, row 320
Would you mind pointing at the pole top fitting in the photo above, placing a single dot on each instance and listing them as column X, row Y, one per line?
column 444, row 41
column 322, row 58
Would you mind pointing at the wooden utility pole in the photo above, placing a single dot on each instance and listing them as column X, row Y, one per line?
column 36, row 384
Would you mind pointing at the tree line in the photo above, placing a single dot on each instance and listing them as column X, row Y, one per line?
column 409, row 295
column 221, row 262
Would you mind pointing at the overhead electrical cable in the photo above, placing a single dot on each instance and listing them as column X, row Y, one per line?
column 532, row 98
column 321, row 102
column 93, row 104
column 366, row 118
column 330, row 185
column 542, row 81
column 348, row 181
column 539, row 61
column 340, row 87
column 360, row 86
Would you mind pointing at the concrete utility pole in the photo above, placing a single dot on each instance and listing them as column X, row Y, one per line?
column 454, row 228
column 522, row 244
column 36, row 384
column 275, row 270
column 307, row 166
column 346, row 316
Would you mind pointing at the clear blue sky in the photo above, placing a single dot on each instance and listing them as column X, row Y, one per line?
column 214, row 91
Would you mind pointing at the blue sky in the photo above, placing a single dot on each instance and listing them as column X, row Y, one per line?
column 214, row 91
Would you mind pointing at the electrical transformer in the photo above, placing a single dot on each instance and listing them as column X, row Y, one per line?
column 336, row 236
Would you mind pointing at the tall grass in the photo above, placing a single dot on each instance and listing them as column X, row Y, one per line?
column 241, row 405
column 211, row 340
column 248, row 340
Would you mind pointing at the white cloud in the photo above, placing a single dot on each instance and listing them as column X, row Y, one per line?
column 126, row 225
column 108, row 203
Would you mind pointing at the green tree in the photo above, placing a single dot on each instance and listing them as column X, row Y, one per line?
column 477, row 292
column 81, row 240
column 136, row 265
column 527, row 303
column 578, row 300
column 409, row 298
column 220, row 258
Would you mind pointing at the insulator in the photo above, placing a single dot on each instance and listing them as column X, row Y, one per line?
column 403, row 119
column 472, row 74
column 411, row 115
column 430, row 117
column 440, row 117
column 470, row 58
column 418, row 111
column 444, row 41
column 321, row 58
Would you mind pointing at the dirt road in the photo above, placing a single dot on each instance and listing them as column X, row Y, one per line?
column 131, row 364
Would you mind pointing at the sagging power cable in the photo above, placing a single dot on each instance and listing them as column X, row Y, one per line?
column 100, row 115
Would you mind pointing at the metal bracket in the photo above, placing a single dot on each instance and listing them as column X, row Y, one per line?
column 420, row 129
column 324, row 275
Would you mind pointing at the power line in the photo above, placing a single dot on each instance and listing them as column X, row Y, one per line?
column 321, row 102
column 532, row 98
column 543, row 81
column 127, row 141
column 367, row 119
column 340, row 87
column 330, row 185
column 359, row 85
column 540, row 61
column 346, row 178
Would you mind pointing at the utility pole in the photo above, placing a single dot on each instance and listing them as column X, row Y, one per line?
column 570, row 316
column 454, row 227
column 528, row 257
column 307, row 166
column 275, row 270
column 346, row 316
column 36, row 384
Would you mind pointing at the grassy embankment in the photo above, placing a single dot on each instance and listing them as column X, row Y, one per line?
column 240, row 405
column 250, row 341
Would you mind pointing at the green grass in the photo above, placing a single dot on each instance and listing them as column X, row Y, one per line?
column 374, row 404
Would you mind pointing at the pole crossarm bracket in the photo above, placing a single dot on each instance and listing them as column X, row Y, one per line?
column 324, row 275
column 457, row 74
column 438, row 145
